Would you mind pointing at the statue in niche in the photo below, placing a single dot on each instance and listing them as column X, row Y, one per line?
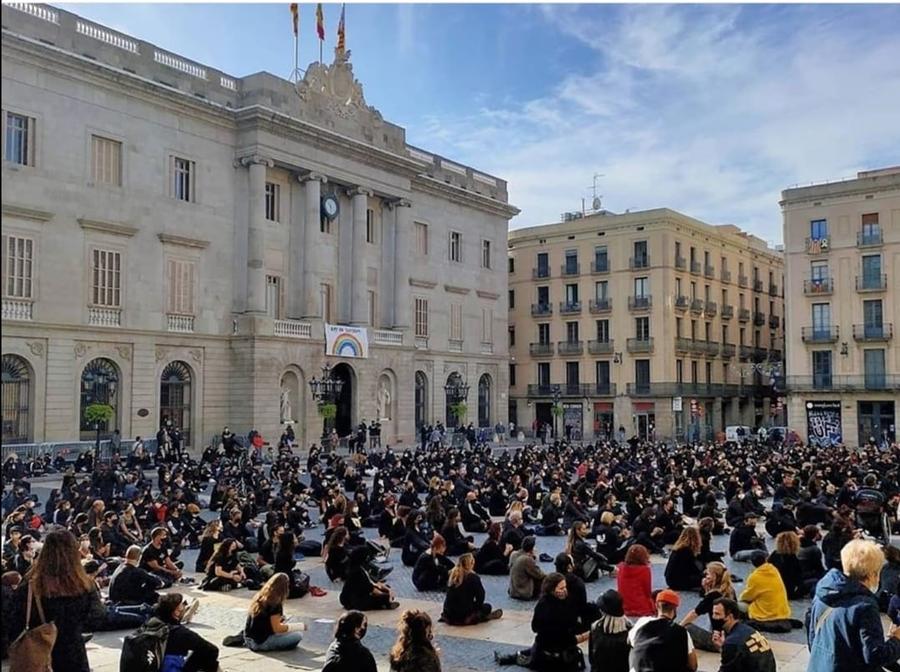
column 286, row 411
column 384, row 400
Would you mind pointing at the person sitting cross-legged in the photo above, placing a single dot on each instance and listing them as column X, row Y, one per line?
column 743, row 648
column 464, row 603
column 266, row 628
column 766, row 597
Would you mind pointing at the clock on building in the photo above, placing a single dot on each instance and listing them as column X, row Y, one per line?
column 330, row 206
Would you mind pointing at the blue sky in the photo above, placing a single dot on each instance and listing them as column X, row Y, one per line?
column 707, row 109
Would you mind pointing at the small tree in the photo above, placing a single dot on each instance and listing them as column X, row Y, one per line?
column 97, row 415
column 459, row 410
column 557, row 410
column 328, row 411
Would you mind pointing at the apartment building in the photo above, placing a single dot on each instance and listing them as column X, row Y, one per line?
column 176, row 239
column 652, row 321
column 842, row 244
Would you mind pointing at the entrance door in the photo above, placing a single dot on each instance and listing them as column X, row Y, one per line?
column 645, row 424
column 876, row 421
column 343, row 420
column 543, row 414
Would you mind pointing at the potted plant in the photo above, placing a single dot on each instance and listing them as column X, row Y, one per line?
column 97, row 415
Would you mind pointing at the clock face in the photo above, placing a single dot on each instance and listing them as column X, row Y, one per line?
column 330, row 206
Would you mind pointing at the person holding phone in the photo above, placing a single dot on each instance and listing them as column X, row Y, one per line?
column 267, row 628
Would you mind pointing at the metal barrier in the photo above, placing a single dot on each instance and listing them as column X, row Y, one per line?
column 69, row 449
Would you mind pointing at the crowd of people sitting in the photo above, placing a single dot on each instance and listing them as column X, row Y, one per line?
column 106, row 550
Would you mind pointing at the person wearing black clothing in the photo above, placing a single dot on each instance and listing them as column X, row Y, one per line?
column 611, row 542
column 359, row 591
column 209, row 539
column 464, row 603
column 416, row 541
column 743, row 648
column 474, row 516
column 224, row 572
column 551, row 514
column 707, row 528
column 658, row 643
column 787, row 562
column 588, row 562
column 812, row 566
column 780, row 520
column 608, row 644
column 204, row 656
column 433, row 567
column 744, row 540
column 336, row 555
column 492, row 559
column 513, row 533
column 347, row 652
column 132, row 585
column 588, row 612
column 683, row 569
column 457, row 544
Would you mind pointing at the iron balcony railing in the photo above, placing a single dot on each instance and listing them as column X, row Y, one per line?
column 570, row 347
column 540, row 272
column 744, row 352
column 743, row 314
column 636, row 263
column 710, row 348
column 774, row 321
column 680, row 262
column 567, row 270
column 758, row 285
column 759, row 319
column 818, row 286
column 711, row 308
column 639, row 302
column 759, row 355
column 775, row 355
column 873, row 332
column 598, row 267
column 820, row 334
column 540, row 309
column 725, row 276
column 773, row 290
column 727, row 312
column 695, row 267
column 824, row 382
column 696, row 305
column 869, row 238
column 601, row 347
column 601, row 389
column 600, row 305
column 541, row 349
column 871, row 282
column 684, row 345
column 709, row 271
column 728, row 350
column 670, row 389
column 682, row 302
column 640, row 345
column 743, row 280
column 569, row 307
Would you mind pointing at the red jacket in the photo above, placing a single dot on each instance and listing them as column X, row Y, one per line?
column 634, row 585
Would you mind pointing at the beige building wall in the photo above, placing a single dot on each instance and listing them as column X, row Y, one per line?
column 232, row 284
column 715, row 309
column 842, row 244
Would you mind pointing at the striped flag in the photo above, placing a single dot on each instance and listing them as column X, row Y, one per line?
column 295, row 16
column 320, row 21
column 340, row 32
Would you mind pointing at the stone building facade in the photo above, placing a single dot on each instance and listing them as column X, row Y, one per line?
column 652, row 321
column 842, row 244
column 175, row 239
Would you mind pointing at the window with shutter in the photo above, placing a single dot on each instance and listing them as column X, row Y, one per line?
column 181, row 287
column 106, row 278
column 18, row 260
column 106, row 161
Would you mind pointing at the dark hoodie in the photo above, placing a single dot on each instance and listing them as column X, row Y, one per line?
column 850, row 638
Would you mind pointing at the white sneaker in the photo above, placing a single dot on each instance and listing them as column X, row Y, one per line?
column 190, row 611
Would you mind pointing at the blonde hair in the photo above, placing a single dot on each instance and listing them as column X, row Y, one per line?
column 689, row 538
column 861, row 559
column 273, row 593
column 464, row 566
column 607, row 518
column 787, row 543
column 721, row 579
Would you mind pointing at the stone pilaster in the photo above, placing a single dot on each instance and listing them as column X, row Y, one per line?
column 402, row 255
column 358, row 308
column 310, row 299
column 256, row 242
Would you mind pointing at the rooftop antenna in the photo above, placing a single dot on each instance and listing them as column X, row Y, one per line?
column 595, row 201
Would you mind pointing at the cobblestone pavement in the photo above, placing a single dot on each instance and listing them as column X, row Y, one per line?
column 463, row 649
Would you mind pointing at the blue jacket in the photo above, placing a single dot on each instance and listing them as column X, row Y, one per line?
column 851, row 637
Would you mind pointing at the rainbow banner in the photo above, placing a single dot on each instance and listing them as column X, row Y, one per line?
column 341, row 341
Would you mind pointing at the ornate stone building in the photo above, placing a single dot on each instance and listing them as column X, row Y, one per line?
column 175, row 239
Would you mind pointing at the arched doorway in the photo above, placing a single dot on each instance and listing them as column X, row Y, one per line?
column 421, row 399
column 453, row 380
column 16, row 400
column 99, row 385
column 344, row 421
column 484, row 401
column 175, row 399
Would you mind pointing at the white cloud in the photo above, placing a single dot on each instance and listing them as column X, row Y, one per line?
column 710, row 110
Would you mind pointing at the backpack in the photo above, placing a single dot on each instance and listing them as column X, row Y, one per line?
column 144, row 649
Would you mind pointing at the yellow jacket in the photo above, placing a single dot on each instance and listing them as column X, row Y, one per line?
column 766, row 594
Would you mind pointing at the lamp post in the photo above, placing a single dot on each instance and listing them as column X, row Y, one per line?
column 325, row 390
column 556, row 395
column 102, row 386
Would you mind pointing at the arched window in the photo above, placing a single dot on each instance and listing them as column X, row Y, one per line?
column 99, row 385
column 421, row 400
column 484, row 401
column 16, row 400
column 175, row 399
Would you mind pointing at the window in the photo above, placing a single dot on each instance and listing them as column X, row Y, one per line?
column 421, row 239
column 19, row 139
column 511, row 264
column 485, row 254
column 543, row 376
column 421, row 312
column 870, row 231
column 642, row 374
column 544, row 334
column 873, row 364
column 818, row 229
column 543, row 265
column 742, row 336
column 642, row 328
column 512, row 375
column 324, row 224
column 543, row 296
column 677, row 251
column 871, row 270
column 327, row 297
column 603, row 374
column 456, row 331
column 693, row 330
column 512, row 336
column 106, row 266
column 641, row 287
column 603, row 331
column 679, row 371
column 821, row 365
column 707, row 296
column 724, row 297
column 106, row 161
column 694, row 372
column 274, row 297
column 821, row 316
column 487, row 325
column 571, row 262
column 693, row 290
column 572, row 374
column 873, row 319
column 708, row 373
column 601, row 259
column 708, row 331
column 678, row 327
column 182, row 180
column 512, row 298
column 18, row 262
column 818, row 271
column 572, row 332
column 571, row 294
column 601, row 290
column 273, row 201
column 455, row 246
column 723, row 263
column 724, row 333
column 640, row 254
column 180, row 300
column 370, row 225
column 373, row 308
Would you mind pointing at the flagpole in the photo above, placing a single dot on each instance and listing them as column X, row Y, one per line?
column 320, row 51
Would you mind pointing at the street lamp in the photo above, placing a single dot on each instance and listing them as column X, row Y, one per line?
column 556, row 396
column 101, row 386
column 326, row 390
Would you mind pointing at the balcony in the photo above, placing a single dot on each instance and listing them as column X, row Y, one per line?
column 711, row 309
column 709, row 271
column 727, row 312
column 743, row 280
column 104, row 317
column 540, row 349
column 759, row 355
column 869, row 238
column 818, row 245
column 677, row 389
column 697, row 306
column 818, row 287
column 744, row 352
column 680, row 263
column 541, row 309
column 17, row 309
column 823, row 334
column 695, row 267
column 540, row 272
column 710, row 348
column 759, row 319
column 601, row 347
column 773, row 290
column 725, row 276
column 180, row 324
column 597, row 306
column 602, row 389
column 569, row 307
column 871, row 283
column 570, row 347
column 293, row 329
column 599, row 267
column 727, row 350
column 640, row 345
column 774, row 321
column 638, row 389
column 869, row 333
column 743, row 314
column 387, row 337
column 639, row 303
column 775, row 355
column 682, row 302
column 568, row 270
column 758, row 285
column 637, row 263
column 684, row 345
column 826, row 383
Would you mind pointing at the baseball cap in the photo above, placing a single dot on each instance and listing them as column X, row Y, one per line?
column 669, row 597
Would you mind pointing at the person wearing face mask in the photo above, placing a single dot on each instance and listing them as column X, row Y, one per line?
column 844, row 632
column 347, row 653
column 743, row 648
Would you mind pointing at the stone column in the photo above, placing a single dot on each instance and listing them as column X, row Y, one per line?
column 310, row 300
column 256, row 239
column 402, row 255
column 358, row 309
